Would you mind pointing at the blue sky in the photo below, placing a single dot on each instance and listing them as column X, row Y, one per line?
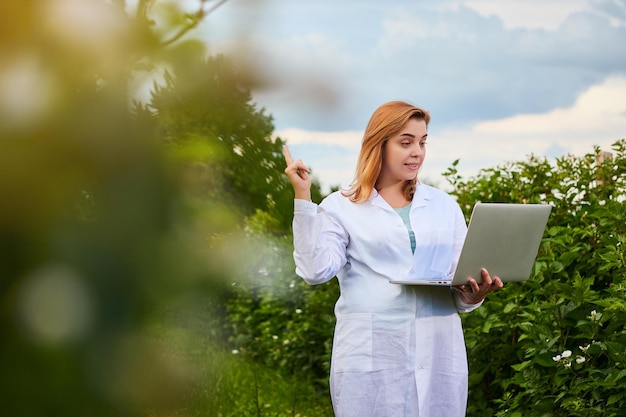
column 503, row 79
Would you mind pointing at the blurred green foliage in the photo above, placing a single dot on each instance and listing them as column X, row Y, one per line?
column 120, row 222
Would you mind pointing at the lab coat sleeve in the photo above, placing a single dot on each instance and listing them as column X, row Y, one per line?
column 463, row 307
column 319, row 243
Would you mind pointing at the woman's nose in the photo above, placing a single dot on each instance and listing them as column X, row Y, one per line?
column 417, row 150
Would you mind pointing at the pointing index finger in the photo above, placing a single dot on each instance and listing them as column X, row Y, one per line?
column 287, row 155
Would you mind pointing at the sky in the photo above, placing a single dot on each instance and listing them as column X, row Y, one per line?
column 502, row 79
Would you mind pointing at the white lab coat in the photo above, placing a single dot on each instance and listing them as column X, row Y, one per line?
column 398, row 350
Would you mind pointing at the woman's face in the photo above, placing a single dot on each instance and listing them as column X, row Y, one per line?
column 403, row 154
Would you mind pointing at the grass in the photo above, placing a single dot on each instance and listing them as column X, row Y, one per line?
column 221, row 383
column 243, row 388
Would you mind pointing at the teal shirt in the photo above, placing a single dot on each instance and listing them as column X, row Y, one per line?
column 404, row 214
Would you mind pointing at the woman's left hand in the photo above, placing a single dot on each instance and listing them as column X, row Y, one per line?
column 474, row 293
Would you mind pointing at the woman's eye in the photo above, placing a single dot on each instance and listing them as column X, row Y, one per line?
column 406, row 143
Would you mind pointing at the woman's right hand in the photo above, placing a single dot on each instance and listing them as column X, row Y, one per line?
column 298, row 175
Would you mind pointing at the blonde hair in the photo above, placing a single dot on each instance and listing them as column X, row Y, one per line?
column 386, row 121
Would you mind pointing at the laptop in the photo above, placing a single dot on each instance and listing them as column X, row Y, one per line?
column 503, row 238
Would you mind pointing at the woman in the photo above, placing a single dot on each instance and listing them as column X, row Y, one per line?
column 397, row 350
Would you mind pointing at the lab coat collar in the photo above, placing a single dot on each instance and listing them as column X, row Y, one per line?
column 376, row 200
column 423, row 194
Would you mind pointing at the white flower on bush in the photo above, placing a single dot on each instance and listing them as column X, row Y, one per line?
column 286, row 342
column 235, row 351
column 298, row 311
column 275, row 337
column 565, row 358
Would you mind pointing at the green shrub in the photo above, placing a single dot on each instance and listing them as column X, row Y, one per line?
column 555, row 345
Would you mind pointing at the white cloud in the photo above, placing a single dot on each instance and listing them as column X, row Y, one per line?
column 597, row 118
column 328, row 64
column 296, row 76
column 599, row 111
column 528, row 14
column 503, row 78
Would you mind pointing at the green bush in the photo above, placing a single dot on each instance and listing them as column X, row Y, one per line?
column 555, row 345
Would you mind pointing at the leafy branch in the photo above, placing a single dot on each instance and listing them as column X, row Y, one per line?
column 194, row 19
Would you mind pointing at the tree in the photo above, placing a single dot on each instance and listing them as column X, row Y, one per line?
column 205, row 105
